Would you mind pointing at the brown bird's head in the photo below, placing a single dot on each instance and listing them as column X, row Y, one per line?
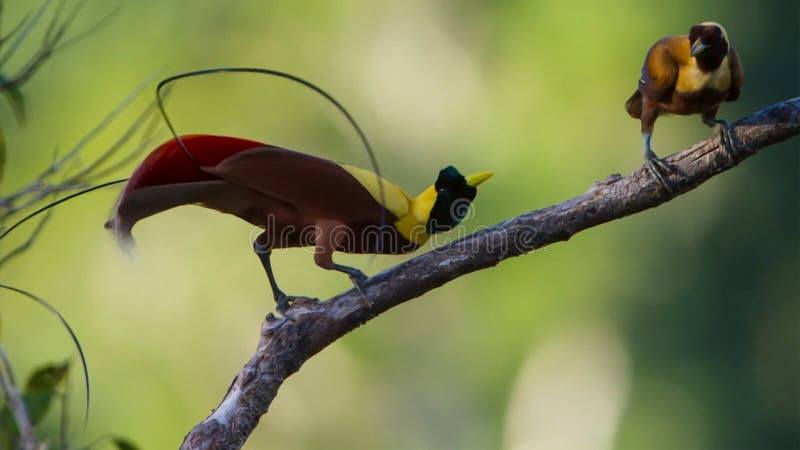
column 709, row 44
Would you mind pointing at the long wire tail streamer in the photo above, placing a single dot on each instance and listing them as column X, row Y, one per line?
column 362, row 136
column 58, row 202
column 160, row 101
column 64, row 322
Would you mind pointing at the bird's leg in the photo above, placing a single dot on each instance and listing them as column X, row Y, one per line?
column 658, row 167
column 727, row 137
column 356, row 276
column 282, row 300
column 329, row 235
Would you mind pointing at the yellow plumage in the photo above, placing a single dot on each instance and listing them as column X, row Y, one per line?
column 692, row 79
column 412, row 214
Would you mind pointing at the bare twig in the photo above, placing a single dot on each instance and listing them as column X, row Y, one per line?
column 130, row 144
column 15, row 403
column 309, row 326
column 21, row 248
column 45, row 186
column 63, row 426
column 53, row 40
column 69, row 172
column 26, row 30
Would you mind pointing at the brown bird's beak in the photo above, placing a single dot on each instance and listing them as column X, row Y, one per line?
column 698, row 47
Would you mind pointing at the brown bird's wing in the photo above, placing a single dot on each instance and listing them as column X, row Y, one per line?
column 318, row 187
column 737, row 74
column 634, row 105
column 661, row 67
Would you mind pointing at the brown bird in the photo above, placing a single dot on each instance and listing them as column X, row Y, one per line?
column 687, row 74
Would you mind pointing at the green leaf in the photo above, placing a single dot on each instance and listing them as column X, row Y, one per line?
column 38, row 403
column 47, row 377
column 123, row 444
column 42, row 389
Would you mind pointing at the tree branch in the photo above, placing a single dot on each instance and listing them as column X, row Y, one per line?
column 309, row 326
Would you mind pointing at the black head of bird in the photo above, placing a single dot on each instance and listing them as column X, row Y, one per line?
column 454, row 195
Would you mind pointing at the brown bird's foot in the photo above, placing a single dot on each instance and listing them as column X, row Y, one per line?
column 727, row 137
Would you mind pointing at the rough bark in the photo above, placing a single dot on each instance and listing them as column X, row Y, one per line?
column 309, row 326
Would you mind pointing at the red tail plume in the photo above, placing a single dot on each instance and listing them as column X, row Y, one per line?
column 168, row 164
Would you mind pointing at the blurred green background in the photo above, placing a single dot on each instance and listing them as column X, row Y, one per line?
column 676, row 328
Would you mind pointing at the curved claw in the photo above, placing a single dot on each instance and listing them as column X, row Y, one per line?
column 358, row 278
column 284, row 302
column 727, row 138
column 659, row 169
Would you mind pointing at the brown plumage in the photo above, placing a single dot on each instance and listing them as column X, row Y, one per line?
column 299, row 199
column 687, row 74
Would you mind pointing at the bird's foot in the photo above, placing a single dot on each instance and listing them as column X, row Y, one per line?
column 659, row 168
column 359, row 280
column 284, row 302
column 727, row 137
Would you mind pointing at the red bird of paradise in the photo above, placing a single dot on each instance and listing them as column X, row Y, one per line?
column 298, row 199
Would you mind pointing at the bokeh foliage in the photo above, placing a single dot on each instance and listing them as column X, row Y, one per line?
column 674, row 328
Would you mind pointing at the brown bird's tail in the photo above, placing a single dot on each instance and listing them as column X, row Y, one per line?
column 634, row 105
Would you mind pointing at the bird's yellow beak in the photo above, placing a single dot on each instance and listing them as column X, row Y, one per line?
column 478, row 178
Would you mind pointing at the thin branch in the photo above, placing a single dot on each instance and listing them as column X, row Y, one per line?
column 15, row 30
column 124, row 150
column 15, row 403
column 48, row 46
column 20, row 249
column 53, row 36
column 310, row 326
column 53, row 40
column 63, row 426
column 121, row 152
column 25, row 32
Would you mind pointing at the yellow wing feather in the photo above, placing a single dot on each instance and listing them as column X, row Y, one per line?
column 412, row 214
column 396, row 200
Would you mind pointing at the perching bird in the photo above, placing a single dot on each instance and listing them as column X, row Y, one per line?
column 299, row 199
column 687, row 74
